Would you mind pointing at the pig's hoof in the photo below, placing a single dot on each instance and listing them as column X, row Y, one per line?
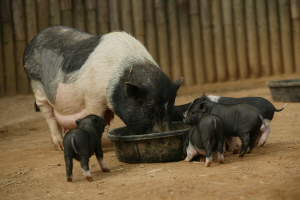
column 105, row 170
column 89, row 178
column 59, row 145
column 69, row 179
column 207, row 164
column 242, row 155
column 221, row 162
column 235, row 151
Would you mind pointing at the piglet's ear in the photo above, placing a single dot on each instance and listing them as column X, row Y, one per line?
column 202, row 107
column 133, row 91
column 96, row 121
column 78, row 121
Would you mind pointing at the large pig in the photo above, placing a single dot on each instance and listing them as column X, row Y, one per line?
column 74, row 74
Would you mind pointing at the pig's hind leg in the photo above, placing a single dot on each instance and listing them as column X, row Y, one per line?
column 85, row 168
column 47, row 110
column 69, row 168
column 191, row 152
column 245, row 143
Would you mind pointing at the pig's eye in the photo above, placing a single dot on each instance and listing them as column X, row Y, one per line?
column 149, row 109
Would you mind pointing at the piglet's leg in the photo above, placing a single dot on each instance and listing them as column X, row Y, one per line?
column 245, row 143
column 191, row 152
column 85, row 168
column 265, row 135
column 99, row 155
column 69, row 168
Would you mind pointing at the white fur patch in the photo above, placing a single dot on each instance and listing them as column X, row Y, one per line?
column 213, row 98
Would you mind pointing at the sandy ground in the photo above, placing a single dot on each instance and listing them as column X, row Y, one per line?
column 31, row 168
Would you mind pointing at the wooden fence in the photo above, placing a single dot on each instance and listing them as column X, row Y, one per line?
column 204, row 41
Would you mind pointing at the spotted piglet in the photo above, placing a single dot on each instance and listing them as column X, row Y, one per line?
column 205, row 137
column 80, row 143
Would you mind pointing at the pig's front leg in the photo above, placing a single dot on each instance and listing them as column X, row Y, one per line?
column 245, row 143
column 191, row 152
column 99, row 155
column 47, row 111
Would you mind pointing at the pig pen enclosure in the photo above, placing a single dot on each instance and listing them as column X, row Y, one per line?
column 31, row 167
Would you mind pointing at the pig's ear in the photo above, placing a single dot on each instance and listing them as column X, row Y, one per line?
column 133, row 91
column 202, row 107
column 178, row 83
column 96, row 121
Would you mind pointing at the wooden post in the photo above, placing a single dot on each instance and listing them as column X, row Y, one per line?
column 102, row 11
column 31, row 19
column 264, row 46
column 126, row 16
column 91, row 20
column 174, row 38
column 79, row 17
column 2, row 86
column 20, row 43
column 114, row 15
column 286, row 36
column 205, row 10
column 295, row 11
column 138, row 20
column 219, row 47
column 186, row 46
column 8, row 45
column 252, row 39
column 161, row 26
column 43, row 14
column 66, row 13
column 150, row 33
column 274, row 31
column 240, row 35
column 230, row 40
column 199, row 68
column 54, row 12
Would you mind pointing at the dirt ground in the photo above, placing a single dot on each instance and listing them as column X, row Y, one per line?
column 31, row 168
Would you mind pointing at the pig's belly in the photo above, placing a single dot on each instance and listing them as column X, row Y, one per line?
column 67, row 121
column 69, row 105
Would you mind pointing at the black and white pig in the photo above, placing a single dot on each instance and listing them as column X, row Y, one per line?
column 205, row 137
column 80, row 143
column 265, row 107
column 240, row 120
column 74, row 74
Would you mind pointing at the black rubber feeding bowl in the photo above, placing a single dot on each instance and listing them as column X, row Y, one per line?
column 285, row 90
column 149, row 148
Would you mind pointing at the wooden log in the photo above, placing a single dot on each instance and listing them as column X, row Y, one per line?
column 126, row 16
column 229, row 40
column 79, row 15
column 91, row 19
column 174, row 39
column 252, row 39
column 263, row 36
column 206, row 22
column 31, row 19
column 274, row 32
column 103, row 17
column 150, row 33
column 114, row 18
column 162, row 37
column 240, row 34
column 8, row 44
column 186, row 45
column 295, row 12
column 2, row 86
column 197, row 46
column 138, row 20
column 42, row 14
column 54, row 12
column 286, row 36
column 219, row 47
column 66, row 13
column 20, row 43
